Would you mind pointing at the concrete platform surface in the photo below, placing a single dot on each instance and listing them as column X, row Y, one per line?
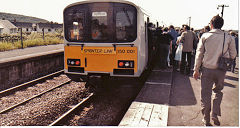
column 150, row 108
column 29, row 50
column 173, row 99
column 185, row 101
column 142, row 114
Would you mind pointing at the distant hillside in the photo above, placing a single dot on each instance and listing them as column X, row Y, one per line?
column 21, row 18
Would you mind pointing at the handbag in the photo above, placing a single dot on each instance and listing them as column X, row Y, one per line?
column 178, row 54
column 224, row 63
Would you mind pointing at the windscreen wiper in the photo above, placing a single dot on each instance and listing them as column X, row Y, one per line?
column 125, row 11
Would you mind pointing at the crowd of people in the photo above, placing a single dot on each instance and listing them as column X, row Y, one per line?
column 175, row 48
column 213, row 50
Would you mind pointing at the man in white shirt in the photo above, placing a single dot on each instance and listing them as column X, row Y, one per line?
column 208, row 51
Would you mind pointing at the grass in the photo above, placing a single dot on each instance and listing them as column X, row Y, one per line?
column 6, row 46
column 31, row 41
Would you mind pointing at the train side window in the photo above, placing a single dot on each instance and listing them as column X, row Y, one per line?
column 125, row 25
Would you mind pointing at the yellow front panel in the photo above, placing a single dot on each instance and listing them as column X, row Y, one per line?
column 101, row 59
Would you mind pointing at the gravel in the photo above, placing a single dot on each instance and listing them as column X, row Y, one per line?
column 109, row 107
column 18, row 96
column 44, row 110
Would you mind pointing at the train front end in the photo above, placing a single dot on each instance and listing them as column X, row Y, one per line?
column 101, row 38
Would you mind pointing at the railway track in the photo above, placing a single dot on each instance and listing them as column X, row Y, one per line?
column 28, row 84
column 98, row 110
column 20, row 100
column 49, row 101
column 35, row 96
column 71, row 111
column 105, row 108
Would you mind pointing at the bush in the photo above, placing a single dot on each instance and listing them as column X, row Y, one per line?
column 6, row 46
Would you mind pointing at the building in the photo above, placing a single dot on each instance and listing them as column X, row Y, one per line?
column 26, row 27
column 39, row 27
column 8, row 27
column 1, row 30
column 48, row 27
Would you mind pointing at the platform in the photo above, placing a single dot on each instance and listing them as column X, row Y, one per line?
column 29, row 51
column 22, row 65
column 150, row 108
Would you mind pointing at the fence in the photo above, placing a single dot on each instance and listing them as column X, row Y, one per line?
column 10, row 38
column 23, row 40
column 24, row 36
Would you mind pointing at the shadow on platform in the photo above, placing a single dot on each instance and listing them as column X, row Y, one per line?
column 182, row 91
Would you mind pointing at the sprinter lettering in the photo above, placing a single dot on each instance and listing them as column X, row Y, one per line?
column 108, row 50
column 91, row 51
column 99, row 51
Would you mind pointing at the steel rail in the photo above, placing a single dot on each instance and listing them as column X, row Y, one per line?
column 25, row 101
column 27, row 84
column 70, row 111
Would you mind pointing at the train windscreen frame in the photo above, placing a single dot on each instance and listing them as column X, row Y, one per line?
column 103, row 22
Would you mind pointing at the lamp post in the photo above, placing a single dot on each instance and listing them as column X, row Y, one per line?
column 21, row 37
column 43, row 33
column 189, row 21
column 222, row 6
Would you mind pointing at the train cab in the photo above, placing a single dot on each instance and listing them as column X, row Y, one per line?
column 105, row 37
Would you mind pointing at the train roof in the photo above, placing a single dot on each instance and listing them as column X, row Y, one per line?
column 93, row 1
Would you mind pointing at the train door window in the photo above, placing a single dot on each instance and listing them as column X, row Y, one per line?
column 101, row 21
column 99, row 26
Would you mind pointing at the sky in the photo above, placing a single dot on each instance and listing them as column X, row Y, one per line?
column 166, row 12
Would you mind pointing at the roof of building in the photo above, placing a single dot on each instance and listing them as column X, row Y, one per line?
column 22, row 24
column 7, row 24
column 50, row 25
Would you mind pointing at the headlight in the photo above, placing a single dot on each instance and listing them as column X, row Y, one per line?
column 73, row 62
column 125, row 64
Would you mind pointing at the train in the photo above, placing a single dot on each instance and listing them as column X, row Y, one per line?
column 105, row 38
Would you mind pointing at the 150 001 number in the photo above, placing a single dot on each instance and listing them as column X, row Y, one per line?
column 125, row 51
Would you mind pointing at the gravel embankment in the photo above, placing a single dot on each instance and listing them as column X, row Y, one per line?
column 21, row 95
column 108, row 108
column 44, row 110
